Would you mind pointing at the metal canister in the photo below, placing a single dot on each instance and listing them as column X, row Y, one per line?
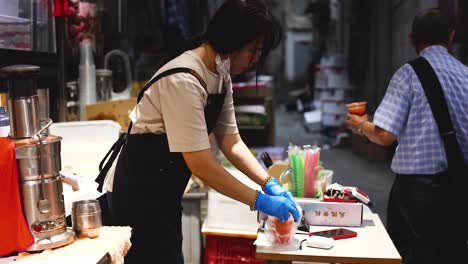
column 103, row 84
column 86, row 218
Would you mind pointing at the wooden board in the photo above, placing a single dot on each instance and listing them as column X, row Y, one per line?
column 117, row 111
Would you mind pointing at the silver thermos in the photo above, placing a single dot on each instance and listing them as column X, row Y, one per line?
column 38, row 160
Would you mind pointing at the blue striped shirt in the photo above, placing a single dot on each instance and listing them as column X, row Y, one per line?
column 405, row 112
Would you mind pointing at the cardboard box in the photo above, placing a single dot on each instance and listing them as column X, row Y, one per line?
column 317, row 212
column 333, row 120
column 332, row 94
column 334, row 107
column 117, row 111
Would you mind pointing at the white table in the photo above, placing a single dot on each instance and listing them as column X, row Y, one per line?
column 371, row 246
column 227, row 232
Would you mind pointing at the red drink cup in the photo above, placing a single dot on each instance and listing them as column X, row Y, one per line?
column 357, row 108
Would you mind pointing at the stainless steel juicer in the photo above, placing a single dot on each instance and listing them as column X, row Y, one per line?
column 38, row 161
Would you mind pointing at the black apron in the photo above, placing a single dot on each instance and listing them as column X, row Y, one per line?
column 149, row 182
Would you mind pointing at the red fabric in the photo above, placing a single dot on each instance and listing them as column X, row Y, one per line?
column 61, row 8
column 14, row 231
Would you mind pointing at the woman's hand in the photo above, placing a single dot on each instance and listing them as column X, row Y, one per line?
column 272, row 187
column 277, row 206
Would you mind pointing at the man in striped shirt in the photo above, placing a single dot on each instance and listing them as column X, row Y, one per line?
column 416, row 209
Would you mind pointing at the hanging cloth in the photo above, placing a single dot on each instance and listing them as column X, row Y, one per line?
column 61, row 8
column 14, row 231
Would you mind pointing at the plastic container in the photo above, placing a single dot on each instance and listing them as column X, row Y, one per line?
column 103, row 84
column 87, row 79
column 85, row 143
column 280, row 233
column 220, row 249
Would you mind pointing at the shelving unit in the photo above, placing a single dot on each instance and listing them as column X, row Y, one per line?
column 260, row 99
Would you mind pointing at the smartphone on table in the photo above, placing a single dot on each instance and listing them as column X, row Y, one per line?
column 337, row 233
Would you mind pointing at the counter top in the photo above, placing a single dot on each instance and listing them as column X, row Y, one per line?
column 111, row 246
column 371, row 246
column 227, row 232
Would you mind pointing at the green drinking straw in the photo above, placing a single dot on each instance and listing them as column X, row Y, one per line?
column 294, row 172
column 300, row 175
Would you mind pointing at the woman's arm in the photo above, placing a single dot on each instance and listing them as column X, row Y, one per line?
column 204, row 167
column 241, row 157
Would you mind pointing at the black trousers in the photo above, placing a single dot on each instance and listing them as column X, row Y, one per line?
column 425, row 223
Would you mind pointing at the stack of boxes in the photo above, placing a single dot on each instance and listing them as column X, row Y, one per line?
column 333, row 88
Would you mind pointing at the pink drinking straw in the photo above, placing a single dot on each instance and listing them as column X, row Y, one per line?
column 309, row 173
column 315, row 162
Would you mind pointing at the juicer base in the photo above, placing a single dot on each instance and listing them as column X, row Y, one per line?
column 53, row 242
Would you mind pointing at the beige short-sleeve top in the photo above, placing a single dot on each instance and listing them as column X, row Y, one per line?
column 175, row 105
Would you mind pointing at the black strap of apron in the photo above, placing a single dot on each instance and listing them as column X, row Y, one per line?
column 436, row 99
column 115, row 147
column 164, row 74
column 108, row 160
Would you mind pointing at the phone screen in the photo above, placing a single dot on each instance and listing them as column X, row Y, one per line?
column 336, row 234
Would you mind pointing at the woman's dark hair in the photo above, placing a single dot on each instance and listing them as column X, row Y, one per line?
column 238, row 22
column 235, row 24
column 431, row 27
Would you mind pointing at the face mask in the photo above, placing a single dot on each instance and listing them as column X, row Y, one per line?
column 223, row 66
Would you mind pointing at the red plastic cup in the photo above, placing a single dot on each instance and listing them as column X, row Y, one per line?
column 357, row 108
column 283, row 231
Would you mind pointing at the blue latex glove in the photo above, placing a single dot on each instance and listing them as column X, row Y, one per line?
column 272, row 187
column 277, row 206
